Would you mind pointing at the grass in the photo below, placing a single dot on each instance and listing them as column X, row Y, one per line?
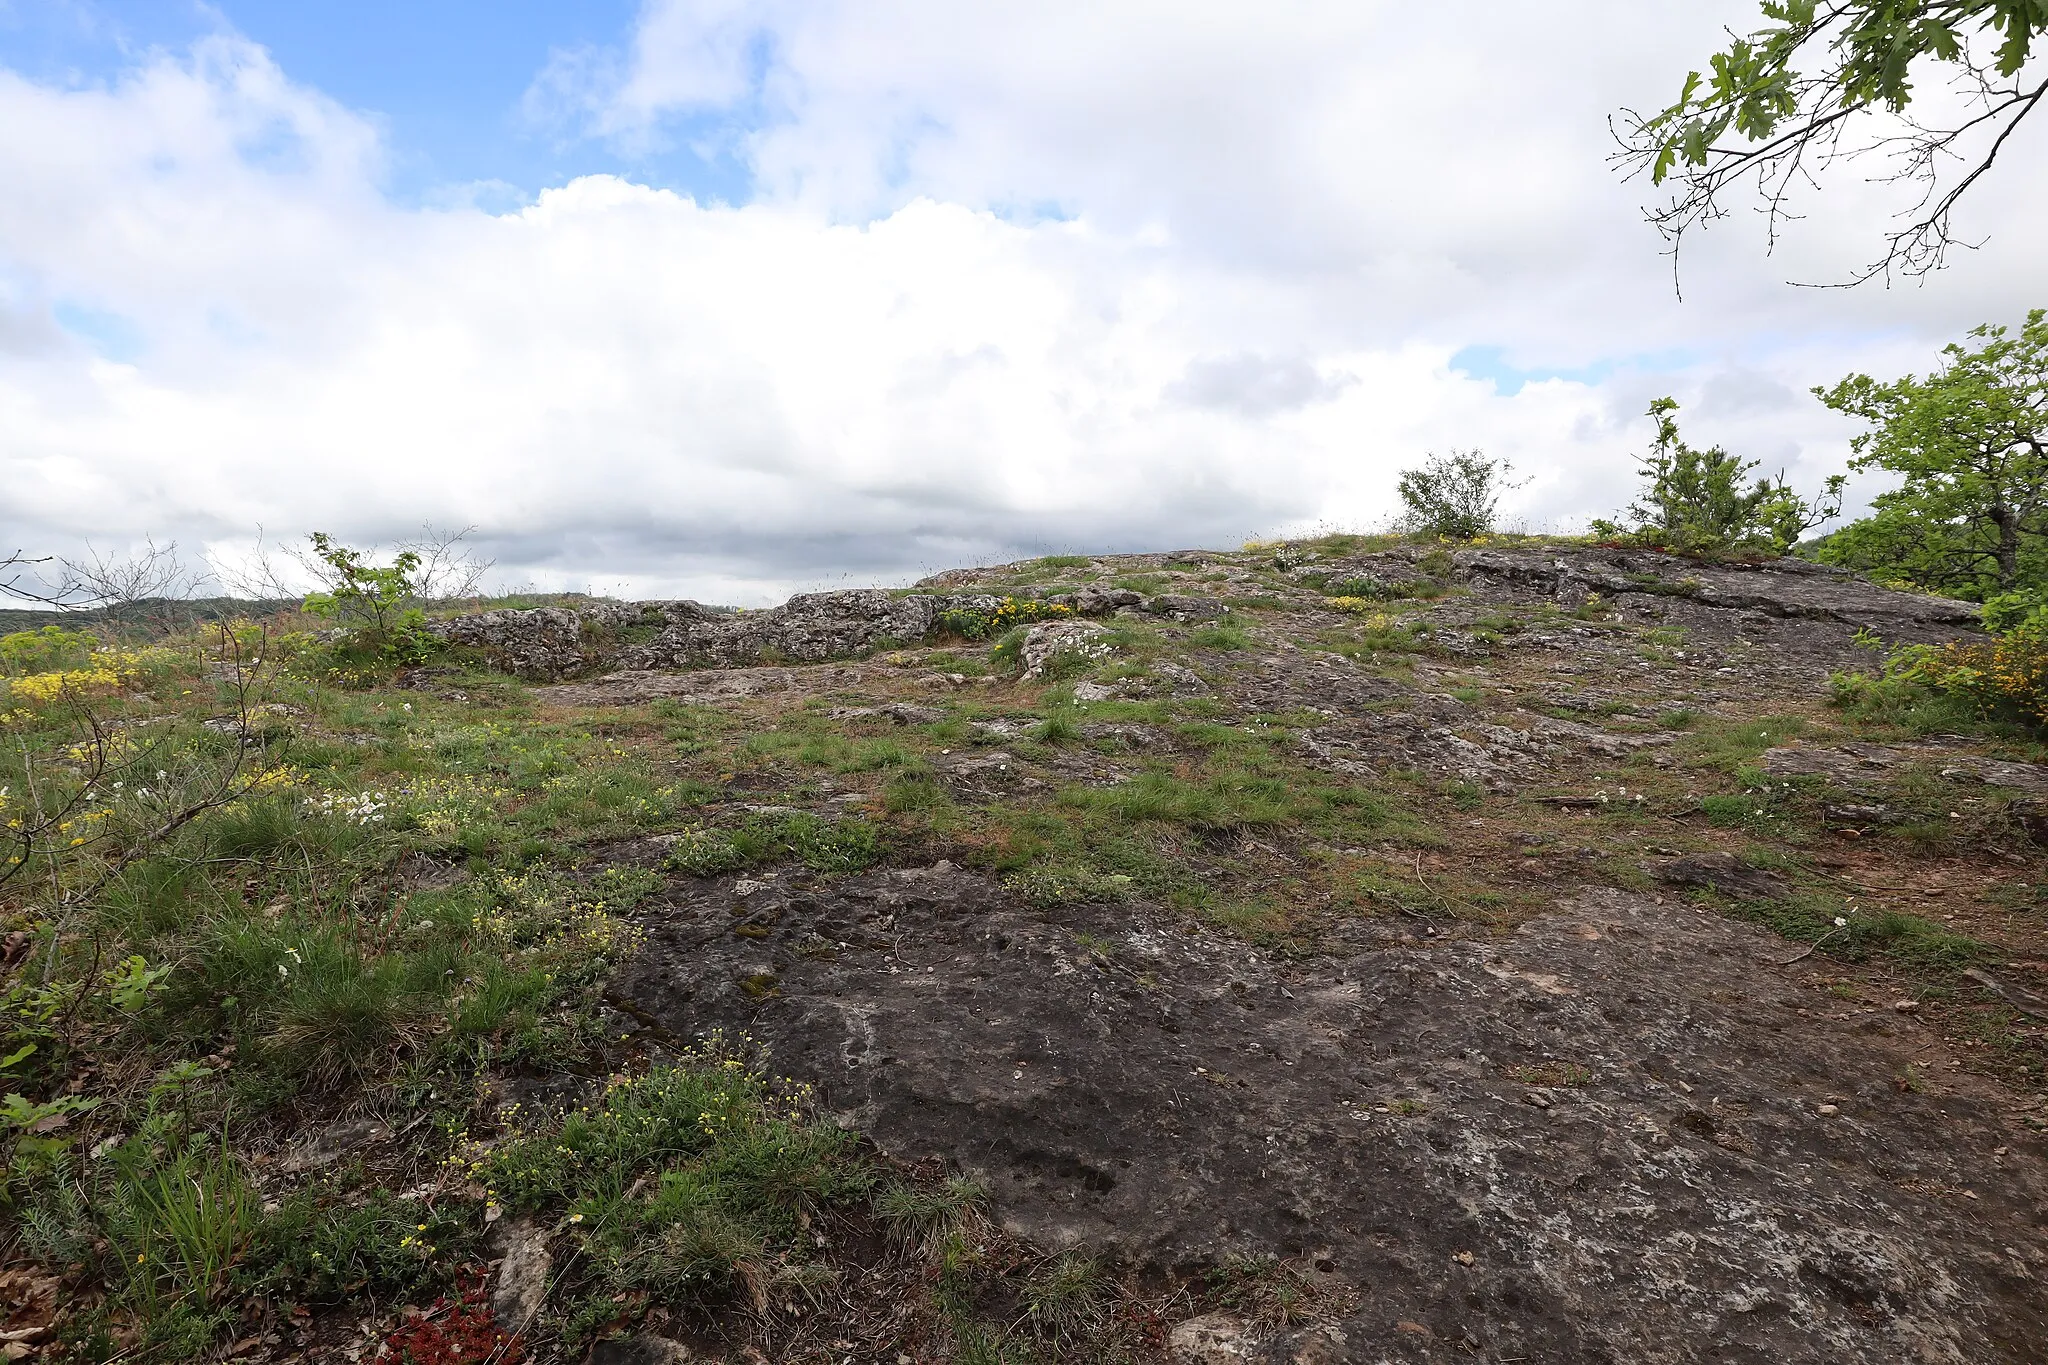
column 1729, row 744
column 1849, row 934
column 268, row 926
column 1222, row 801
column 1066, row 1302
column 184, row 1240
column 833, row 846
column 1220, row 635
column 1909, row 708
column 1069, row 883
column 930, row 1215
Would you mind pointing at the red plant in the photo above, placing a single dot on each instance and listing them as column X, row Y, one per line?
column 457, row 1331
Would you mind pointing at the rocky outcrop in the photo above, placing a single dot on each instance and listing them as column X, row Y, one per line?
column 1857, row 767
column 1049, row 640
column 1777, row 598
column 1725, row 873
column 809, row 628
column 548, row 644
column 551, row 643
column 1778, row 587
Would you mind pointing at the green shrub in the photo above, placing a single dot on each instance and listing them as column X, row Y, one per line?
column 49, row 650
column 1704, row 500
column 1453, row 496
column 676, row 1179
column 2007, row 676
column 378, row 627
column 970, row 624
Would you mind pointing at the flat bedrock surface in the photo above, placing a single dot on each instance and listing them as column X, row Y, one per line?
column 1615, row 1114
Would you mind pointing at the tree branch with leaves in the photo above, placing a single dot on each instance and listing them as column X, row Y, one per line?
column 1826, row 82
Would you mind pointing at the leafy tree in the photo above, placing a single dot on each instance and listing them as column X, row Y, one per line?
column 1836, row 78
column 1970, row 442
column 1454, row 495
column 1704, row 500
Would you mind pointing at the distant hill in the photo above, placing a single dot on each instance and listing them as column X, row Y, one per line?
column 153, row 614
column 162, row 615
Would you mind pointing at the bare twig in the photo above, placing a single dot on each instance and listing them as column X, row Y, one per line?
column 63, row 595
column 448, row 569
column 227, row 785
column 1812, row 947
column 259, row 575
column 152, row 572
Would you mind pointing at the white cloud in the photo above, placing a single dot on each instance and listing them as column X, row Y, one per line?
column 1274, row 228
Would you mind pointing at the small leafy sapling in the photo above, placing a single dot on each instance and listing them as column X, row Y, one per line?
column 132, row 981
column 374, row 602
column 360, row 593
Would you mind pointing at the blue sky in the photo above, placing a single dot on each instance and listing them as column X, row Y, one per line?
column 446, row 78
column 1491, row 363
column 448, row 81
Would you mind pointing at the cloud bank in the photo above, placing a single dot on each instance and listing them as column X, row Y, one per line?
column 1009, row 280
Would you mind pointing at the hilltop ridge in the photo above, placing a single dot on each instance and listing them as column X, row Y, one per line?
column 1343, row 950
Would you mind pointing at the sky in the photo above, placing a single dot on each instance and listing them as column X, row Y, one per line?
column 728, row 300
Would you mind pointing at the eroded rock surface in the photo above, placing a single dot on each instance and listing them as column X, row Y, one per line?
column 548, row 644
column 1787, row 588
column 1619, row 1134
column 1852, row 766
column 1050, row 639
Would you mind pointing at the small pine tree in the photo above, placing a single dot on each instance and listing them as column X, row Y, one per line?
column 1704, row 499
